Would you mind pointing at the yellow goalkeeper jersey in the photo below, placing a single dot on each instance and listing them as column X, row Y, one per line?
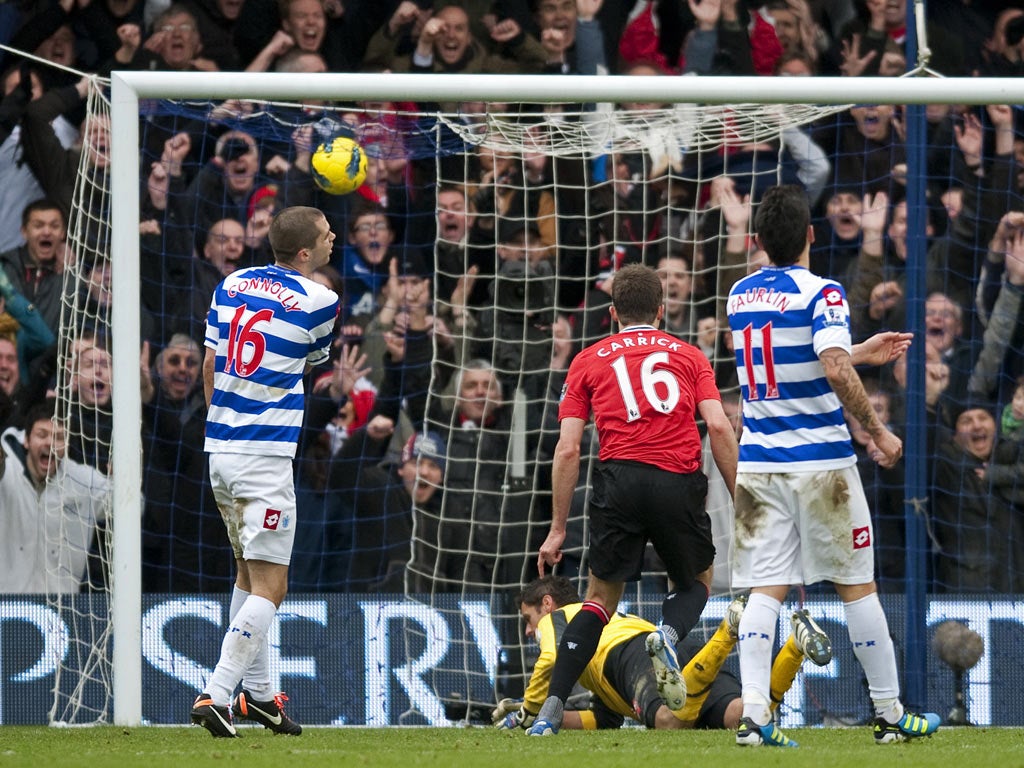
column 621, row 628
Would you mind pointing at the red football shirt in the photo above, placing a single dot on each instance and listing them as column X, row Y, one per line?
column 643, row 387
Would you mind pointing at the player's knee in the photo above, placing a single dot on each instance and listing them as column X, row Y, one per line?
column 664, row 720
column 733, row 713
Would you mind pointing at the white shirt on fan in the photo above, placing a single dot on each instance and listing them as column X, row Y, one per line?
column 47, row 534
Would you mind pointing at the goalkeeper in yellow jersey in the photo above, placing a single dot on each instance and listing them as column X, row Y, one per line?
column 622, row 677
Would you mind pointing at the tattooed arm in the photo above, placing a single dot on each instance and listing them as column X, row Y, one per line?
column 886, row 448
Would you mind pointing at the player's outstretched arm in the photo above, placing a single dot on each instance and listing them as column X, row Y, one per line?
column 845, row 382
column 881, row 348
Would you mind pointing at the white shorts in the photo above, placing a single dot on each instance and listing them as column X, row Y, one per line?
column 256, row 498
column 801, row 528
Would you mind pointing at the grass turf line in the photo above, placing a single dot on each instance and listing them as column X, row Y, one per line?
column 157, row 747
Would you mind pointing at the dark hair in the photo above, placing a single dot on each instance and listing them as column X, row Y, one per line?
column 365, row 208
column 42, row 204
column 560, row 588
column 333, row 276
column 1014, row 31
column 781, row 223
column 785, row 58
column 43, row 411
column 636, row 294
column 292, row 230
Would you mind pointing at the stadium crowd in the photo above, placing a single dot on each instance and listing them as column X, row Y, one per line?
column 448, row 287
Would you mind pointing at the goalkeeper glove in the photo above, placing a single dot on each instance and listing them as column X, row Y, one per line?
column 509, row 715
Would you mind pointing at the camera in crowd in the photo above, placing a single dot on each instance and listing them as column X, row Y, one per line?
column 521, row 288
column 234, row 148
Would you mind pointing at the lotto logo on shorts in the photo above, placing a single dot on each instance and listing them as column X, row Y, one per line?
column 861, row 537
column 271, row 519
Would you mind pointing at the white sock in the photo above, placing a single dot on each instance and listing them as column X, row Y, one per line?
column 869, row 633
column 757, row 637
column 257, row 678
column 238, row 596
column 246, row 635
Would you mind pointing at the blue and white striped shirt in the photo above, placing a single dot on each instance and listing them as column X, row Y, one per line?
column 782, row 318
column 265, row 324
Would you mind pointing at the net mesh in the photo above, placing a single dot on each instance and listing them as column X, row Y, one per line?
column 520, row 217
column 82, row 683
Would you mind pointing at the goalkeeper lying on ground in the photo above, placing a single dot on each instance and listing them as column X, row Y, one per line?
column 623, row 679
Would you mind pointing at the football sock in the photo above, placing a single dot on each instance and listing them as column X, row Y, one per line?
column 238, row 596
column 577, row 648
column 700, row 672
column 872, row 645
column 257, row 678
column 756, row 638
column 784, row 668
column 891, row 711
column 682, row 608
column 246, row 634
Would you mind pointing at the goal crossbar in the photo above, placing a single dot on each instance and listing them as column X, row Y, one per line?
column 562, row 88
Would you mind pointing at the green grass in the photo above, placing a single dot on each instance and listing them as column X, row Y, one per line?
column 113, row 747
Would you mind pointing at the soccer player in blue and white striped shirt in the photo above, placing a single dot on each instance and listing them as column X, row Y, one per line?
column 267, row 327
column 801, row 514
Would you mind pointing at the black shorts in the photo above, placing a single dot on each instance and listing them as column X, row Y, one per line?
column 633, row 503
column 629, row 671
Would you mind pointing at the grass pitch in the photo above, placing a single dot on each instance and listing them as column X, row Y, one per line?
column 157, row 747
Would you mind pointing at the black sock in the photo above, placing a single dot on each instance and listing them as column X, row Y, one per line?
column 682, row 608
column 577, row 648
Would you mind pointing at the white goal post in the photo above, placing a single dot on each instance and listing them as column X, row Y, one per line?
column 129, row 87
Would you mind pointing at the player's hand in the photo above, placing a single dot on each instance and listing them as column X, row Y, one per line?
column 885, row 449
column 550, row 551
column 509, row 715
column 882, row 348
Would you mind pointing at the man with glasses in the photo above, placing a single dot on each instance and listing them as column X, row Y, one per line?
column 174, row 45
column 364, row 262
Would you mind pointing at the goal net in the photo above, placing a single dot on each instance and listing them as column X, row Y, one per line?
column 519, row 215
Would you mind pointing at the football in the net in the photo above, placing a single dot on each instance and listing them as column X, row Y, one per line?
column 339, row 166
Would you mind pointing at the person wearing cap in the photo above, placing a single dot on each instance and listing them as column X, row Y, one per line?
column 978, row 535
column 403, row 313
column 263, row 204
